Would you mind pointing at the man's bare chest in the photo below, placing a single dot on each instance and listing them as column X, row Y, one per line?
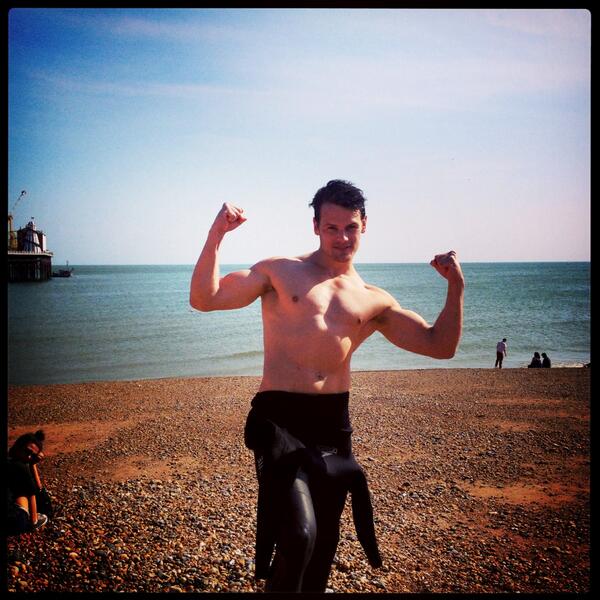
column 337, row 304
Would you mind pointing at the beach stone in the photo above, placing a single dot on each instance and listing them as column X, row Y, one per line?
column 415, row 531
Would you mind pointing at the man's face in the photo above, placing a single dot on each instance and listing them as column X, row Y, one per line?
column 339, row 230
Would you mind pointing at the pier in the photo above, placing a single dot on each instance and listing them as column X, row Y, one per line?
column 28, row 257
column 29, row 266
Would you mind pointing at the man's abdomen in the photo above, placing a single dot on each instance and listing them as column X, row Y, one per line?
column 307, row 366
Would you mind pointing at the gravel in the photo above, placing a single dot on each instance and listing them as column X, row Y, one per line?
column 480, row 484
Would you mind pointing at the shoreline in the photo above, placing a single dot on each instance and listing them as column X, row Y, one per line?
column 578, row 365
column 480, row 481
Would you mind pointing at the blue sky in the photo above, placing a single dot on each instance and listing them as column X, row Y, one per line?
column 466, row 130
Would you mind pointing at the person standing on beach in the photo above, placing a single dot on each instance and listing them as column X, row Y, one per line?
column 501, row 349
column 316, row 312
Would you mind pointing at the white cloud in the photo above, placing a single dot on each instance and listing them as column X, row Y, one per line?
column 338, row 86
column 289, row 65
column 560, row 23
column 64, row 83
column 169, row 25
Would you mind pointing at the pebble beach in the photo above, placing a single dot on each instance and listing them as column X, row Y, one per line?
column 480, row 481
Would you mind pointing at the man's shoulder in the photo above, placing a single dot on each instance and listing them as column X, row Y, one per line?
column 381, row 300
column 276, row 262
column 380, row 293
column 281, row 263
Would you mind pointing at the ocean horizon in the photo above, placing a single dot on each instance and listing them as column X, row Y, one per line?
column 126, row 322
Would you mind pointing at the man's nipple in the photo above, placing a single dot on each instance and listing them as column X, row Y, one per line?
column 294, row 298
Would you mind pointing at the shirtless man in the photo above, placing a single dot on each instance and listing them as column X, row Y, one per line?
column 316, row 312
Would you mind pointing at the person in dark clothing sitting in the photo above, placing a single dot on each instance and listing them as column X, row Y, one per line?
column 23, row 482
column 536, row 361
column 546, row 362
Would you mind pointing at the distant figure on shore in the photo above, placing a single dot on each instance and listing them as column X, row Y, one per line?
column 24, row 483
column 501, row 351
column 316, row 312
column 536, row 361
column 546, row 362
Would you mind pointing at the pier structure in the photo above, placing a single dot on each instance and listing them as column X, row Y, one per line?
column 28, row 257
column 29, row 266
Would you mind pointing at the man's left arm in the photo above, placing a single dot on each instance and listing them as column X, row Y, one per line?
column 408, row 330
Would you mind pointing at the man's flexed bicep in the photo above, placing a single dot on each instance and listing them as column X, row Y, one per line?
column 406, row 329
column 208, row 290
column 236, row 290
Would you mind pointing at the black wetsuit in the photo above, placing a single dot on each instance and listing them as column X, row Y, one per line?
column 305, row 468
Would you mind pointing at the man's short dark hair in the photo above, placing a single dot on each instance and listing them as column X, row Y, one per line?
column 340, row 192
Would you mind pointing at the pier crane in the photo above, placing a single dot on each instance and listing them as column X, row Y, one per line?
column 12, row 234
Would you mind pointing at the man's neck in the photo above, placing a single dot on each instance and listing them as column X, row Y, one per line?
column 333, row 268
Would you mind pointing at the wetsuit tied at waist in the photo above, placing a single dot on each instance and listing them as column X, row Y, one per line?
column 289, row 431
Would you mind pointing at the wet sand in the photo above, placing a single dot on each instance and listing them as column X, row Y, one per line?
column 480, row 481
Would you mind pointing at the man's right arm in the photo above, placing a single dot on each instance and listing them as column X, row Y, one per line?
column 208, row 290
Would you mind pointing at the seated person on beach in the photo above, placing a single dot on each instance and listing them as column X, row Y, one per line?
column 536, row 361
column 546, row 362
column 23, row 483
column 316, row 312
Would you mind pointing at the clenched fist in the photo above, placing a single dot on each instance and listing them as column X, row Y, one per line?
column 229, row 218
column 447, row 266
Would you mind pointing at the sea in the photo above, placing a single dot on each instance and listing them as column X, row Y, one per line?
column 130, row 322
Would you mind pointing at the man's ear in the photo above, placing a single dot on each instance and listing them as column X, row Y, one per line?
column 315, row 226
column 364, row 224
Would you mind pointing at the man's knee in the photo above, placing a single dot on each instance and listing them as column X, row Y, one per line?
column 300, row 538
